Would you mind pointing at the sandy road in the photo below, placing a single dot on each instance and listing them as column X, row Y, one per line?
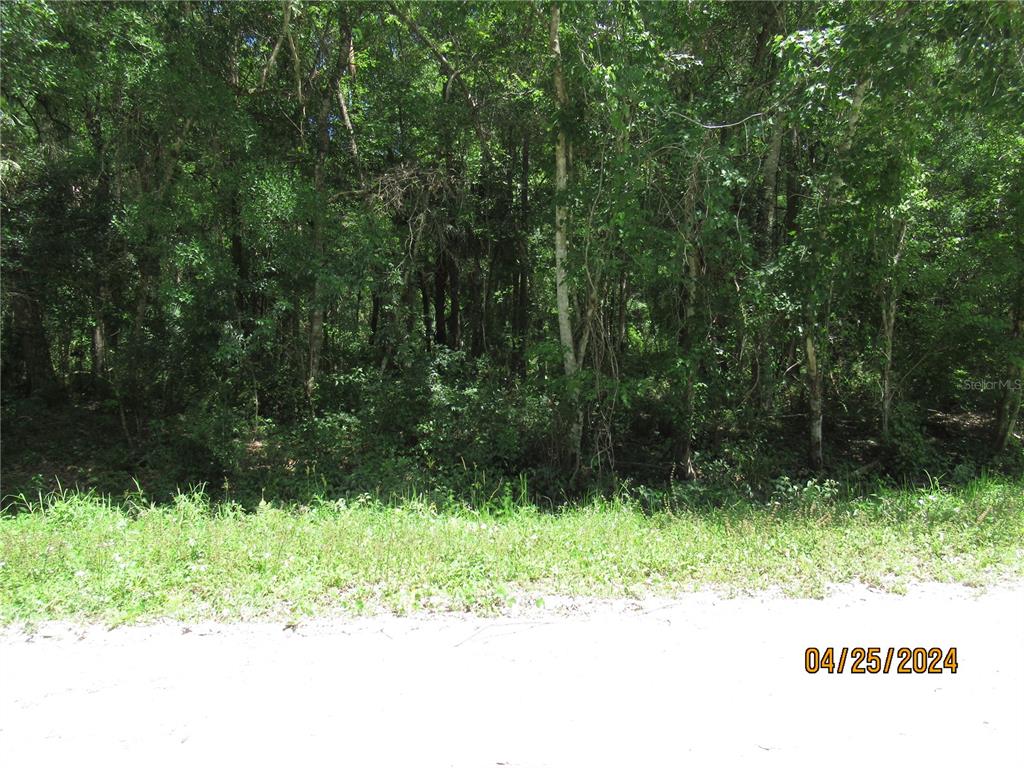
column 697, row 681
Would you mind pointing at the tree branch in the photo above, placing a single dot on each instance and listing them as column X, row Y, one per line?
column 450, row 71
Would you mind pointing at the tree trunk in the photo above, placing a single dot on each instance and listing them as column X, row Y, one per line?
column 620, row 321
column 889, row 302
column 814, row 394
column 477, row 295
column 428, row 326
column 316, row 341
column 521, row 314
column 686, row 337
column 316, row 317
column 815, row 375
column 764, row 378
column 348, row 64
column 1009, row 409
column 888, row 321
column 454, row 321
column 521, row 277
column 99, row 353
column 440, row 280
column 766, row 215
column 561, row 240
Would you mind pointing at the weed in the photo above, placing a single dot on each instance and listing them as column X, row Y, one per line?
column 87, row 557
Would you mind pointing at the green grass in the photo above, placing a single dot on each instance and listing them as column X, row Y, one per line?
column 77, row 556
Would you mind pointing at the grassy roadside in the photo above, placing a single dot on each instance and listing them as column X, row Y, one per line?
column 77, row 556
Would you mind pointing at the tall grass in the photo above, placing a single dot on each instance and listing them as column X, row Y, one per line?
column 81, row 556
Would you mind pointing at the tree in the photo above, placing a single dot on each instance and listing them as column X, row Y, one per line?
column 326, row 229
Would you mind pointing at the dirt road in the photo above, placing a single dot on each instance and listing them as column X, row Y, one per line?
column 698, row 681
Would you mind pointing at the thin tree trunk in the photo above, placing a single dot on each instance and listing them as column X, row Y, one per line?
column 561, row 239
column 815, row 375
column 348, row 54
column 764, row 71
column 521, row 315
column 888, row 322
column 428, row 325
column 99, row 353
column 316, row 318
column 561, row 211
column 766, row 217
column 315, row 335
column 764, row 380
column 1009, row 409
column 814, row 394
column 686, row 342
column 620, row 323
column 454, row 320
column 277, row 46
column 316, row 341
column 521, row 278
column 477, row 295
column 889, row 302
column 440, row 280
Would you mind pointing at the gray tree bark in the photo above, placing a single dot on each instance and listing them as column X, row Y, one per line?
column 562, row 149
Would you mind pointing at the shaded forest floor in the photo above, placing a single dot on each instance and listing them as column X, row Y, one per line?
column 86, row 448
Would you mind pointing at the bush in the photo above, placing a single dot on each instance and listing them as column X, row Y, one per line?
column 910, row 453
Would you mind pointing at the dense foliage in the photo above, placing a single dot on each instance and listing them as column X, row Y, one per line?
column 364, row 243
